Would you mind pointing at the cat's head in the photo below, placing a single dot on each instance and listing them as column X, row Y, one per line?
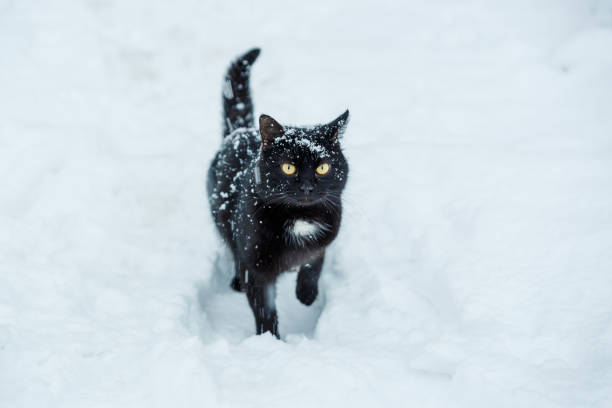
column 301, row 166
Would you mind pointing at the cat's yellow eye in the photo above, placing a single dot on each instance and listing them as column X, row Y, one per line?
column 288, row 168
column 322, row 169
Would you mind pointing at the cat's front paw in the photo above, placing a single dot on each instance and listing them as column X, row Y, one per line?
column 307, row 293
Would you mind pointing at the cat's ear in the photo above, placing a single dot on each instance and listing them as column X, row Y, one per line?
column 269, row 129
column 338, row 126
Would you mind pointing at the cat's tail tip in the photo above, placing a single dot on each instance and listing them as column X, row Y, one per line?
column 238, row 71
column 249, row 57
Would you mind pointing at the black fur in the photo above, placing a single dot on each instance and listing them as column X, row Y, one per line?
column 255, row 205
column 237, row 104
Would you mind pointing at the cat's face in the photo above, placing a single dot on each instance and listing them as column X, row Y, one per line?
column 302, row 166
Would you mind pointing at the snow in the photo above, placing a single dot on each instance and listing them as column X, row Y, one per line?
column 473, row 267
column 294, row 137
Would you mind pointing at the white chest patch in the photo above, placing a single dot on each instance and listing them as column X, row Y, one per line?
column 300, row 232
column 304, row 228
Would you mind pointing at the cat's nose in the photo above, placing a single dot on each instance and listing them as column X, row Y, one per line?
column 307, row 187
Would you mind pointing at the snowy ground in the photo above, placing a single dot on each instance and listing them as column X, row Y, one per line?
column 474, row 266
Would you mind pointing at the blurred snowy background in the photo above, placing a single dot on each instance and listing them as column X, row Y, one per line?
column 474, row 266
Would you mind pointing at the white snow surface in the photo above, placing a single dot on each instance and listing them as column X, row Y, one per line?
column 474, row 264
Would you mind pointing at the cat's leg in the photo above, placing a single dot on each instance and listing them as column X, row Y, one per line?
column 307, row 287
column 262, row 300
column 238, row 283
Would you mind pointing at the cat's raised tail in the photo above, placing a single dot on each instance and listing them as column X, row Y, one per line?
column 237, row 103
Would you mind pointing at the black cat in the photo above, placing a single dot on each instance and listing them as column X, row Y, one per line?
column 275, row 196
